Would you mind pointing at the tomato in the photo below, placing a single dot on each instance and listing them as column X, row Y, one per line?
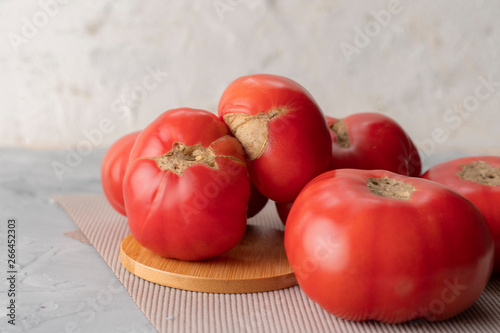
column 376, row 245
column 282, row 130
column 113, row 169
column 283, row 209
column 256, row 202
column 372, row 141
column 478, row 179
column 368, row 141
column 186, row 187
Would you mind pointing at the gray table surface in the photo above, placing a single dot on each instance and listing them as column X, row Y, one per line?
column 64, row 285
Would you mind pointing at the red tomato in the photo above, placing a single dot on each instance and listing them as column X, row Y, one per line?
column 283, row 209
column 372, row 141
column 282, row 130
column 256, row 202
column 113, row 169
column 478, row 179
column 368, row 141
column 367, row 247
column 186, row 188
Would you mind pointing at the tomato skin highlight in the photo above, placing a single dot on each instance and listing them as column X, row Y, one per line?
column 377, row 142
column 361, row 256
column 196, row 215
column 113, row 167
column 485, row 197
column 298, row 146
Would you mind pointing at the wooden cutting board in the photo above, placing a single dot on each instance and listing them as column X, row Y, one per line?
column 258, row 263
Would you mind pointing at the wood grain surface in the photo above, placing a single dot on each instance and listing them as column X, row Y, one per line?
column 258, row 263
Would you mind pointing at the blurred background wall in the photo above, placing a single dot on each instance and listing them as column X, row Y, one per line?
column 90, row 71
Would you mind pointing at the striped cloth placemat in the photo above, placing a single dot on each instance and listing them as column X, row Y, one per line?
column 287, row 310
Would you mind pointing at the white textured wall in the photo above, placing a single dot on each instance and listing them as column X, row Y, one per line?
column 66, row 65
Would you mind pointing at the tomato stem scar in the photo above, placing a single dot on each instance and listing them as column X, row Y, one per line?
column 181, row 157
column 340, row 130
column 252, row 131
column 480, row 172
column 390, row 188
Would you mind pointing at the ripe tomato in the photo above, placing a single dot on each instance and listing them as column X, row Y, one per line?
column 283, row 209
column 372, row 141
column 282, row 130
column 256, row 202
column 113, row 169
column 186, row 188
column 368, row 141
column 478, row 179
column 375, row 245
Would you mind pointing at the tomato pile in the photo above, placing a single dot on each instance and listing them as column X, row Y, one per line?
column 367, row 236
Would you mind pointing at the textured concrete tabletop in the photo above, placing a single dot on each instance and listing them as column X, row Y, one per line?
column 63, row 285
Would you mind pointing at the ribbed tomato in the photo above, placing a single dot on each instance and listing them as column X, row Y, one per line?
column 478, row 179
column 113, row 169
column 186, row 188
column 282, row 130
column 373, row 141
column 375, row 245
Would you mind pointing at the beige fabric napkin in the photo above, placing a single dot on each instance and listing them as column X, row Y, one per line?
column 287, row 310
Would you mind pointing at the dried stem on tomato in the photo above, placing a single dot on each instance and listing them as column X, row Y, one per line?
column 181, row 157
column 480, row 172
column 390, row 188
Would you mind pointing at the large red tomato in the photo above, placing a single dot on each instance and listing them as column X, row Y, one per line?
column 282, row 130
column 478, row 179
column 186, row 188
column 375, row 245
column 372, row 141
column 113, row 169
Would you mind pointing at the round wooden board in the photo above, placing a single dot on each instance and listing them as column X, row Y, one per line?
column 258, row 263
